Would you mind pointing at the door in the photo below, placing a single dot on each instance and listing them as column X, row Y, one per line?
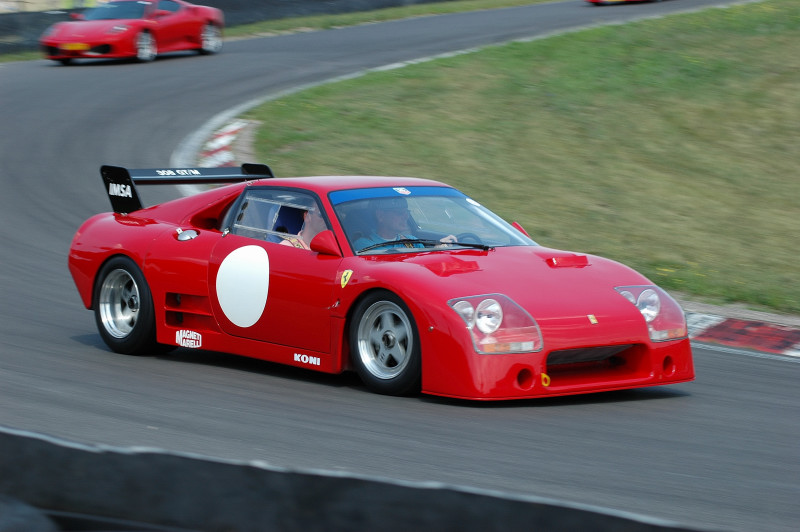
column 263, row 288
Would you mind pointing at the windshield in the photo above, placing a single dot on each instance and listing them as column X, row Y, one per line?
column 394, row 220
column 116, row 11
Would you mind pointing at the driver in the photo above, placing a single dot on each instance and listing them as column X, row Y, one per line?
column 313, row 223
column 391, row 224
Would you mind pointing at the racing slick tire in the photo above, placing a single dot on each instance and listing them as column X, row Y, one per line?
column 123, row 308
column 146, row 47
column 210, row 40
column 385, row 346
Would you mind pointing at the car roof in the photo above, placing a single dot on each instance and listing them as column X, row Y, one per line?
column 322, row 185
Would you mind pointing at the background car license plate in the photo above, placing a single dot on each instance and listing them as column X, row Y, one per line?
column 75, row 46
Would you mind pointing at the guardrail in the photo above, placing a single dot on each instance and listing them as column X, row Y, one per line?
column 74, row 485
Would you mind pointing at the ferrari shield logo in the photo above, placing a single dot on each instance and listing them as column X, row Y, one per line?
column 346, row 277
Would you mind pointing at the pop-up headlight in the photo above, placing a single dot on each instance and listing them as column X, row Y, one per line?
column 498, row 325
column 664, row 316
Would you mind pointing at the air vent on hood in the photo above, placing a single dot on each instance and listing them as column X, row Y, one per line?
column 567, row 261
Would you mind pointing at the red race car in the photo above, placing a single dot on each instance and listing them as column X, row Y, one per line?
column 140, row 29
column 408, row 282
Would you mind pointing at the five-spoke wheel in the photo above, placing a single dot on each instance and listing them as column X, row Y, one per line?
column 384, row 344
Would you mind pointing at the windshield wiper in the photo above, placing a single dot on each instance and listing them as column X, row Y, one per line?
column 426, row 243
column 473, row 245
column 399, row 242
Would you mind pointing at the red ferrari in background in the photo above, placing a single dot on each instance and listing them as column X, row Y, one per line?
column 407, row 281
column 139, row 29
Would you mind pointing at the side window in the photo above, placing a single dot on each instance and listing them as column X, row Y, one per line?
column 169, row 5
column 278, row 216
column 256, row 217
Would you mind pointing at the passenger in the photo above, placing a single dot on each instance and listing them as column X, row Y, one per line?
column 313, row 223
column 391, row 224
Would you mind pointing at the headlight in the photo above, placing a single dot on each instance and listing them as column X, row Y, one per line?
column 497, row 325
column 466, row 311
column 663, row 315
column 648, row 304
column 489, row 316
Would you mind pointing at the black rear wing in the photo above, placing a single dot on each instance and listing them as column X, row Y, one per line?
column 121, row 182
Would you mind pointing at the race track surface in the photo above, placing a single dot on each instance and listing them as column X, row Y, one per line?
column 721, row 452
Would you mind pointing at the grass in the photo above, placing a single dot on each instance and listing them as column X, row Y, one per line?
column 670, row 145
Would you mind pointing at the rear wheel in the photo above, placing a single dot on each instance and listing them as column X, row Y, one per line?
column 146, row 48
column 210, row 40
column 123, row 308
column 384, row 345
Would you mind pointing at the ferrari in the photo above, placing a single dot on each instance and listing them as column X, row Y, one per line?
column 410, row 283
column 139, row 29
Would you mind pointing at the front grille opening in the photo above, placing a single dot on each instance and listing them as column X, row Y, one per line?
column 596, row 364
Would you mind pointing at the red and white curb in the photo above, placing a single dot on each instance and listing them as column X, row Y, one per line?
column 217, row 150
column 745, row 334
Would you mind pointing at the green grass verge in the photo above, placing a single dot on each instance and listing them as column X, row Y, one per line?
column 670, row 145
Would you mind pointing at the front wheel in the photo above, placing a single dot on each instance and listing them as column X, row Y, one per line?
column 384, row 345
column 146, row 48
column 123, row 308
column 210, row 40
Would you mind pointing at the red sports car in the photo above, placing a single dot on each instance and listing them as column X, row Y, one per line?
column 409, row 282
column 140, row 29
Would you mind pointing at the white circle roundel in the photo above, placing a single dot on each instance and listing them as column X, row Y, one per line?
column 242, row 285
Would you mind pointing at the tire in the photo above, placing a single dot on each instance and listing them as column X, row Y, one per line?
column 384, row 345
column 146, row 48
column 65, row 61
column 210, row 40
column 123, row 308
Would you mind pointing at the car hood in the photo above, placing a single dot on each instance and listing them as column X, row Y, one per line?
column 84, row 29
column 561, row 290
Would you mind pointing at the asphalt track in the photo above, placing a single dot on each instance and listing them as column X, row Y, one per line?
column 721, row 452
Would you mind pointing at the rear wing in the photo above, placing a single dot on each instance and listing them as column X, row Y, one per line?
column 121, row 182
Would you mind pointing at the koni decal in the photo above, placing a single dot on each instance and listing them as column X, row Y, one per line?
column 305, row 359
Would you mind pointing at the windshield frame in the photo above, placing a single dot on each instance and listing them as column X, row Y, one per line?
column 437, row 217
column 119, row 10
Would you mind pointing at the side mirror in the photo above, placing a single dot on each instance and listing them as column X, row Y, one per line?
column 161, row 13
column 325, row 244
